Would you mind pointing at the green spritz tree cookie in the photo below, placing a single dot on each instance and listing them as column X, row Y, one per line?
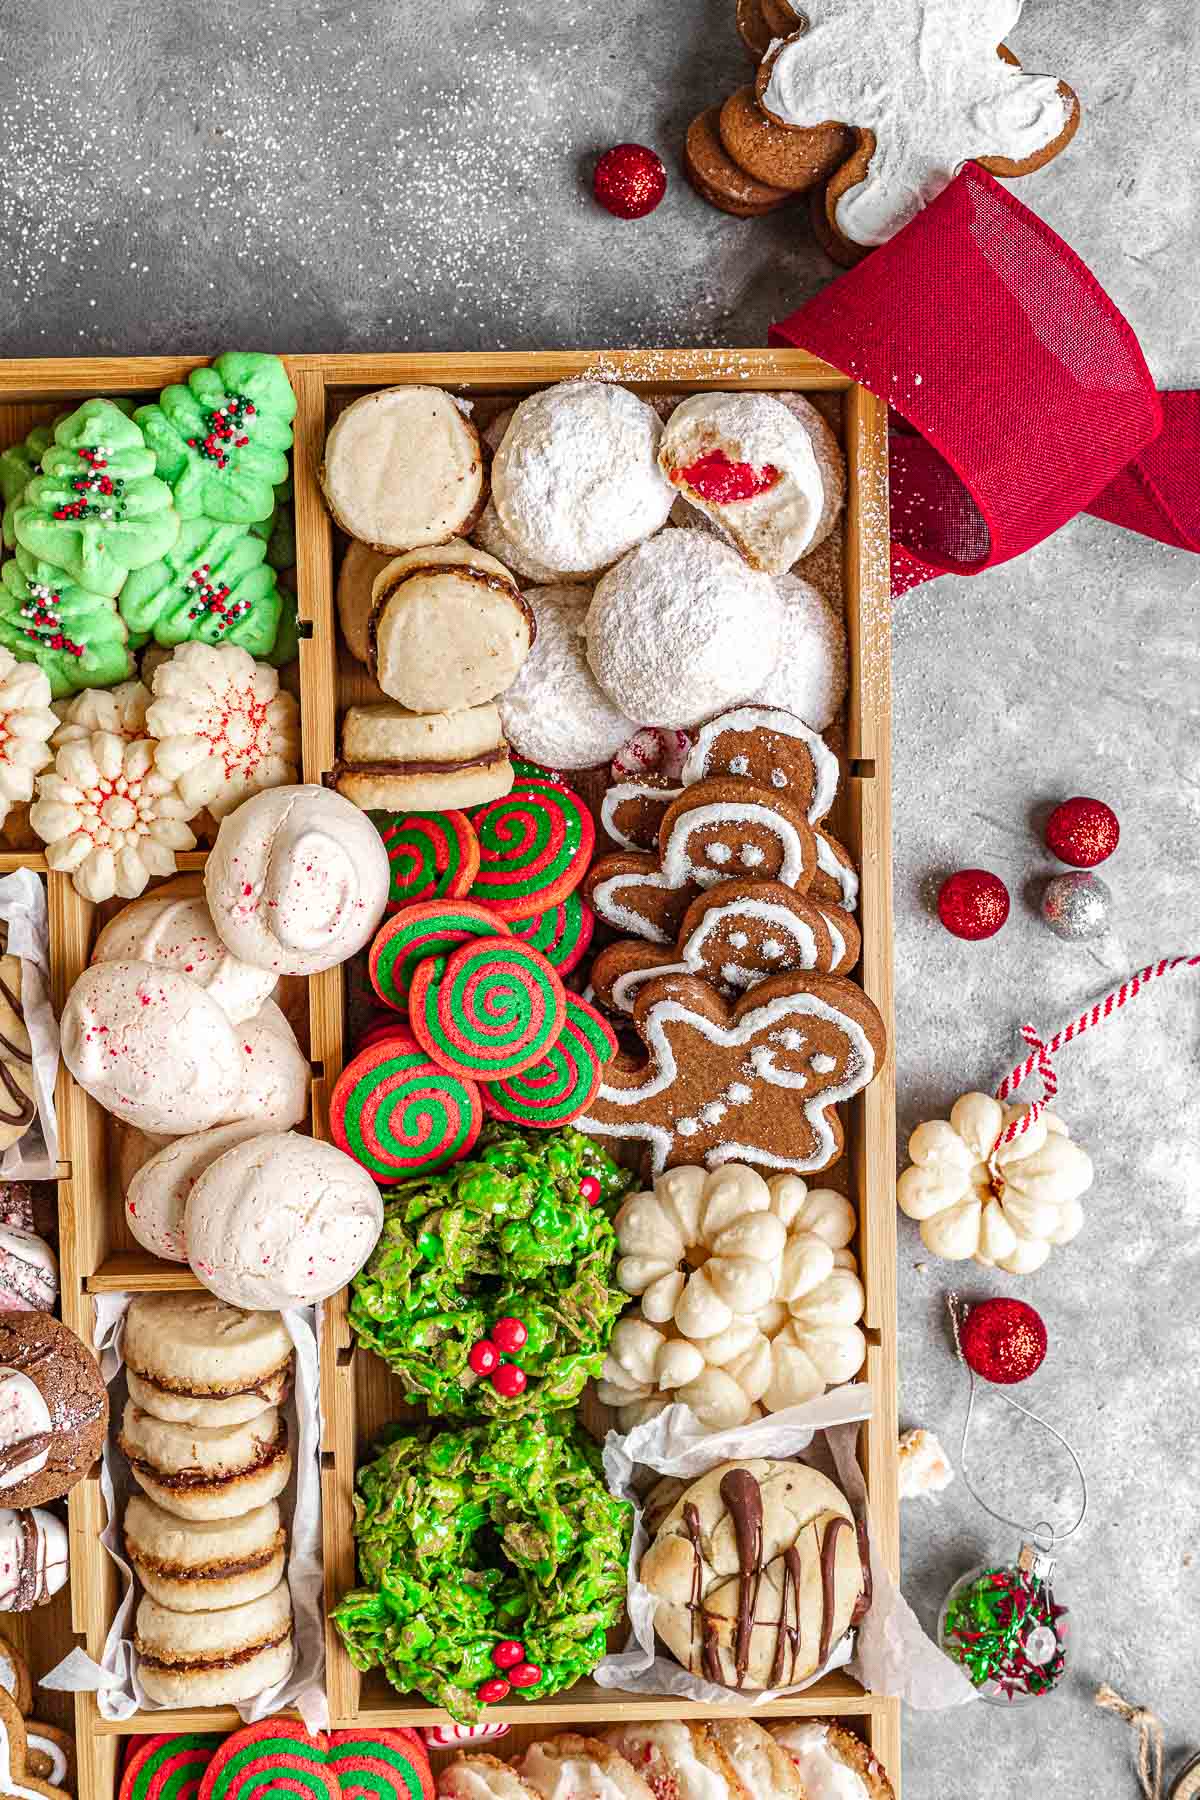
column 97, row 509
column 22, row 462
column 221, row 440
column 76, row 637
column 213, row 585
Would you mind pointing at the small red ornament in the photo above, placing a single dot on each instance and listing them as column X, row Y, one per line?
column 1082, row 832
column 589, row 1189
column 1003, row 1340
column 508, row 1653
column 483, row 1356
column 509, row 1334
column 973, row 903
column 630, row 180
column 493, row 1689
column 509, row 1381
column 525, row 1675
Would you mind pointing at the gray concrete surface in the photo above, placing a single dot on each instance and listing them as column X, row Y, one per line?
column 177, row 176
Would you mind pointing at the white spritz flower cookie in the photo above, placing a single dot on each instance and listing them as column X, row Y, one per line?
column 26, row 723
column 109, row 817
column 225, row 728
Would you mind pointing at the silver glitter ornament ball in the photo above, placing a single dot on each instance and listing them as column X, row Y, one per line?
column 1077, row 906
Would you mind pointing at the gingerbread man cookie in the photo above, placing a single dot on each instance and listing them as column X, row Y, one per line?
column 772, row 747
column 17, row 1781
column 633, row 811
column 755, row 1082
column 836, row 879
column 734, row 935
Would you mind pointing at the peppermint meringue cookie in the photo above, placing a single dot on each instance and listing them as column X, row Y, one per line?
column 152, row 1047
column 576, row 482
column 157, row 1196
column 26, row 724
column 682, row 628
column 277, row 1074
column 174, row 927
column 109, row 816
column 556, row 713
column 281, row 1220
column 297, row 880
column 225, row 728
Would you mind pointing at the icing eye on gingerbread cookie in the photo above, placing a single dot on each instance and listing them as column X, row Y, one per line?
column 754, row 1082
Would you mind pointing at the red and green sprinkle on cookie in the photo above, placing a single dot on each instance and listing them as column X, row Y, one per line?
column 431, row 855
column 562, row 934
column 169, row 1766
column 397, row 1113
column 278, row 1756
column 432, row 928
column 492, row 1008
column 564, row 1084
column 534, row 847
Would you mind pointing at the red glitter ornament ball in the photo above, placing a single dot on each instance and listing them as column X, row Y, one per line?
column 973, row 903
column 509, row 1381
column 630, row 180
column 1082, row 832
column 494, row 1689
column 509, row 1334
column 1003, row 1340
column 483, row 1357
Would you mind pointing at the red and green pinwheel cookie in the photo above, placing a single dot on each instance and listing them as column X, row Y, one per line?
column 221, row 440
column 212, row 586
column 75, row 637
column 97, row 510
column 279, row 1756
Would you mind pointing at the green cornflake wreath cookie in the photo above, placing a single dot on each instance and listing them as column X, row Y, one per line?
column 287, row 639
column 500, row 1533
column 278, row 530
column 222, row 440
column 77, row 638
column 515, row 1233
column 97, row 509
column 213, row 586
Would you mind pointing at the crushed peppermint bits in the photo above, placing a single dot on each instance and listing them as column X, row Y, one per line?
column 224, row 430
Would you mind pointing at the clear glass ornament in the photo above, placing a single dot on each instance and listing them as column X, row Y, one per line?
column 1004, row 1626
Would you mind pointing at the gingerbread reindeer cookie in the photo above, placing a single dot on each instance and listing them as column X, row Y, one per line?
column 734, row 935
column 756, row 1082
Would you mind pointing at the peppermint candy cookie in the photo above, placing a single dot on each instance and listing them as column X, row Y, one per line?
column 97, row 510
column 213, row 585
column 749, row 463
column 75, row 637
column 221, row 439
column 556, row 712
column 110, row 817
column 575, row 481
column 682, row 627
column 449, row 629
column 225, row 729
column 403, row 468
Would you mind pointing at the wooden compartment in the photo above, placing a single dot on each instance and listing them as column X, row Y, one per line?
column 358, row 1392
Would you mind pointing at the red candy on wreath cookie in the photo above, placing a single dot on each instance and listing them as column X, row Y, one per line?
column 398, row 1113
column 431, row 856
column 534, row 845
column 563, row 1085
column 279, row 1756
column 490, row 1009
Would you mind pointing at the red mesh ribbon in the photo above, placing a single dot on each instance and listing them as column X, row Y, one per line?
column 1019, row 393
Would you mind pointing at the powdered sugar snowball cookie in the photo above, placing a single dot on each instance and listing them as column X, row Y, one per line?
column 747, row 462
column 576, row 480
column 403, row 468
column 297, row 880
column 173, row 926
column 120, row 710
column 490, row 533
column 26, row 725
column 152, row 1047
column 156, row 1198
column 109, row 816
column 556, row 713
column 681, row 628
column 810, row 677
column 281, row 1220
column 277, row 1075
column 225, row 728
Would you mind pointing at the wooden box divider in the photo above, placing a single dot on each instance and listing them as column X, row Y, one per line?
column 96, row 1255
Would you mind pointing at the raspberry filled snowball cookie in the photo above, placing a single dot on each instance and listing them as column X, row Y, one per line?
column 26, row 725
column 812, row 672
column 109, row 817
column 576, row 482
column 225, row 728
column 297, row 880
column 556, row 713
column 152, row 1047
column 769, row 474
column 682, row 628
column 403, row 468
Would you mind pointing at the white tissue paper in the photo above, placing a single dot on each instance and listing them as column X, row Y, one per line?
column 889, row 1653
column 33, row 1157
column 114, row 1678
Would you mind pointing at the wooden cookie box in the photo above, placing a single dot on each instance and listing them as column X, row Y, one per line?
column 359, row 1394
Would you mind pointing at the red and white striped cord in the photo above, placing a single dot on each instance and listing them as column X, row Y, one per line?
column 1041, row 1052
